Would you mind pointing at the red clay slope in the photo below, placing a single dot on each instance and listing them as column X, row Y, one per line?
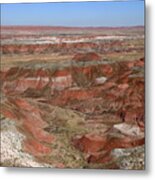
column 119, row 99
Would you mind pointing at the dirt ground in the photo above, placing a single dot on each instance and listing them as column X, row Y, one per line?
column 73, row 97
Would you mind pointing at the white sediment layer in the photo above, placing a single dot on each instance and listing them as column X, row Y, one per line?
column 58, row 40
column 129, row 129
column 100, row 80
column 11, row 147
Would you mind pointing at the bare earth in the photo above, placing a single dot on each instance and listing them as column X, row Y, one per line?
column 72, row 97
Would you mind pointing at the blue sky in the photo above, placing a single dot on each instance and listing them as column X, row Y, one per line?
column 130, row 13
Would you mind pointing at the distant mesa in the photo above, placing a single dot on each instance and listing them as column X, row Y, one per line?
column 90, row 56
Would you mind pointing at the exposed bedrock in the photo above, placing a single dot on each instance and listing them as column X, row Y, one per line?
column 98, row 106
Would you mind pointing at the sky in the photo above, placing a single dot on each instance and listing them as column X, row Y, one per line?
column 112, row 14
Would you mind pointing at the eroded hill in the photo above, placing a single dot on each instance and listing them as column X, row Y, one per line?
column 78, row 101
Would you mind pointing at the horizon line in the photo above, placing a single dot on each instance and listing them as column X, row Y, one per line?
column 11, row 25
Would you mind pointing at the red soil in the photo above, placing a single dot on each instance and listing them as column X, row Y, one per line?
column 119, row 98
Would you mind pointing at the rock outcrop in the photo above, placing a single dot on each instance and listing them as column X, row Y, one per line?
column 81, row 111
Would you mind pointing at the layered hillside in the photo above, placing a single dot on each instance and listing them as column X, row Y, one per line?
column 75, row 99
